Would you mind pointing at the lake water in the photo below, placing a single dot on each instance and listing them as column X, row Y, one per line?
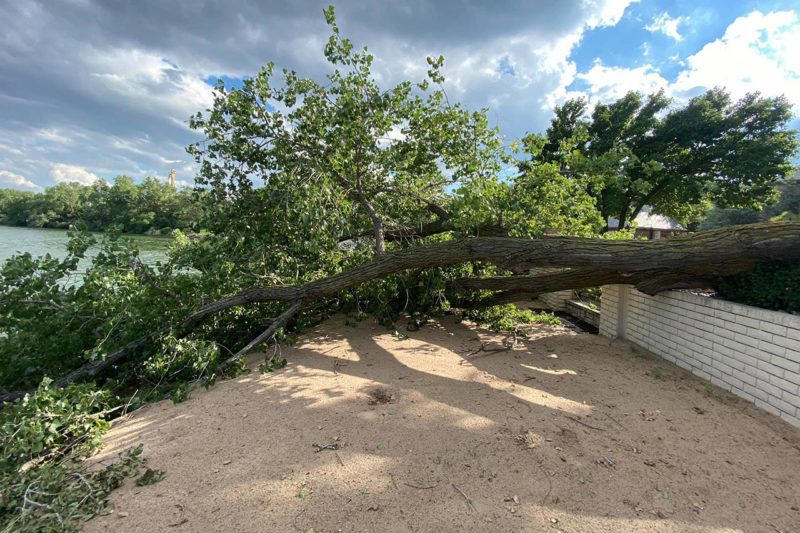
column 40, row 241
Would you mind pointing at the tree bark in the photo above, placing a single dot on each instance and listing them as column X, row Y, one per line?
column 514, row 288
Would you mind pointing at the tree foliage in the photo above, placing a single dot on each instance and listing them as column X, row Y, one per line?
column 787, row 207
column 639, row 151
column 150, row 206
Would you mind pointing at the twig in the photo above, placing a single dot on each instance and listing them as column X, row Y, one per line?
column 615, row 420
column 549, row 484
column 339, row 458
column 320, row 447
column 466, row 498
column 423, row 488
column 488, row 351
column 585, row 424
column 336, row 365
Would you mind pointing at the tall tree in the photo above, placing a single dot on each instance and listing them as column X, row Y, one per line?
column 340, row 156
column 638, row 151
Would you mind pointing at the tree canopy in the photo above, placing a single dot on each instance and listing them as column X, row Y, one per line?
column 639, row 151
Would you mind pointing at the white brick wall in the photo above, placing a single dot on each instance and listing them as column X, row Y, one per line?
column 751, row 352
column 557, row 301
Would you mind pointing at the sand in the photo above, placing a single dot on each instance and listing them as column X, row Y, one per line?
column 443, row 431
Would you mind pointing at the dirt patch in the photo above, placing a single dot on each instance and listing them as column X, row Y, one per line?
column 511, row 440
column 379, row 395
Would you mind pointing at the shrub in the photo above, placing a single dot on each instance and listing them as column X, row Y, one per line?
column 770, row 285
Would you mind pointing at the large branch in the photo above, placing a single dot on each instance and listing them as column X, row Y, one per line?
column 647, row 281
column 678, row 260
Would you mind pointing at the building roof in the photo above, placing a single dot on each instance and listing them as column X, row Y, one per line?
column 647, row 219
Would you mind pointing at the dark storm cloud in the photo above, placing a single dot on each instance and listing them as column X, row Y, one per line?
column 108, row 85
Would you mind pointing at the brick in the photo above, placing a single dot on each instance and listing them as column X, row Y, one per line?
column 762, row 374
column 770, row 389
column 785, row 342
column 793, row 399
column 770, row 368
column 747, row 321
column 746, row 376
column 747, row 340
column 792, row 377
column 774, row 349
column 785, row 385
column 767, row 407
column 749, row 311
column 789, row 366
column 719, row 383
column 755, row 391
column 782, row 405
column 701, row 374
column 733, row 381
column 792, row 355
column 759, row 334
column 725, row 368
column 771, row 327
column 784, row 319
column 745, row 359
column 742, row 394
column 791, row 419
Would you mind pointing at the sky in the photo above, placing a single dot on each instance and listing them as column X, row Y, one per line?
column 97, row 88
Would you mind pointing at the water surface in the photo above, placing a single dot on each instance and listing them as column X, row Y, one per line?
column 41, row 241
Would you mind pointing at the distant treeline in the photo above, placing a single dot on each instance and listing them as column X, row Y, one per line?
column 151, row 207
column 786, row 207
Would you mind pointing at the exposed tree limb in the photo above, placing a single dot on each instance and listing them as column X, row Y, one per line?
column 270, row 332
column 647, row 281
column 651, row 265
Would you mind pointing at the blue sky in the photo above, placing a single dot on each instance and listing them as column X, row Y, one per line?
column 92, row 89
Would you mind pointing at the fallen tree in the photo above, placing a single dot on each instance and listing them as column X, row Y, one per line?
column 693, row 261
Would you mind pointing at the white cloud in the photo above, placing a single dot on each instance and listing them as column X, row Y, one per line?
column 147, row 82
column 556, row 55
column 8, row 178
column 610, row 12
column 53, row 135
column 63, row 173
column 667, row 25
column 611, row 83
column 10, row 149
column 758, row 52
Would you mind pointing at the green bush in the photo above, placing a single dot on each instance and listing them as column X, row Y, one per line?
column 770, row 285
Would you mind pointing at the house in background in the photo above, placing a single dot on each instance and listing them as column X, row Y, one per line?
column 651, row 225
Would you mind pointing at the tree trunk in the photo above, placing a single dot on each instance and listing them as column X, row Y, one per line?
column 623, row 217
column 652, row 266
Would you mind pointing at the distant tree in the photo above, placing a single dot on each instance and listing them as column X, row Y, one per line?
column 786, row 208
column 15, row 206
column 149, row 206
column 637, row 151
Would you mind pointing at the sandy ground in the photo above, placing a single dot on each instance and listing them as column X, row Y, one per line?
column 567, row 432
